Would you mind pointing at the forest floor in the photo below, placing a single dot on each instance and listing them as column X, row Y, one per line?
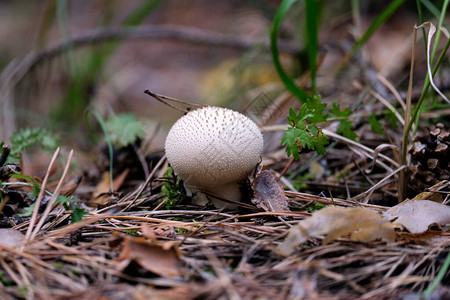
column 111, row 220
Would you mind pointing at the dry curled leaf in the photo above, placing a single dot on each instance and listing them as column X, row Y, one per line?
column 418, row 215
column 103, row 188
column 360, row 223
column 431, row 194
column 159, row 258
column 268, row 193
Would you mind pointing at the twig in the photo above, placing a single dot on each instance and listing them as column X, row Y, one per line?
column 367, row 193
column 162, row 98
column 392, row 89
column 286, row 168
column 144, row 185
column 39, row 199
column 5, row 153
column 52, row 201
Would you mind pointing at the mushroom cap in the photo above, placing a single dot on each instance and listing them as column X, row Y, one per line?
column 213, row 146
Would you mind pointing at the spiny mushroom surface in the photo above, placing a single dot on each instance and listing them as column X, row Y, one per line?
column 214, row 149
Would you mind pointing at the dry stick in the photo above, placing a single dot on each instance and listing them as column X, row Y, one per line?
column 23, row 254
column 392, row 89
column 402, row 178
column 147, row 181
column 377, row 151
column 10, row 272
column 23, row 273
column 157, row 97
column 225, row 280
column 161, row 204
column 330, row 201
column 180, row 223
column 53, row 199
column 39, row 200
column 384, row 101
column 367, row 193
column 171, row 213
column 142, row 160
column 286, row 168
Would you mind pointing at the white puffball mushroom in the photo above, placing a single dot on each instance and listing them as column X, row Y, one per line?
column 214, row 149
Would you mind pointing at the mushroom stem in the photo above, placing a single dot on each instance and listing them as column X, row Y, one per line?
column 231, row 191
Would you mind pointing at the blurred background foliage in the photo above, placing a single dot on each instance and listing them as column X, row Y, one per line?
column 109, row 76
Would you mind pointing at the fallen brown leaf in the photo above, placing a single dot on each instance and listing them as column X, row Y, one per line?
column 155, row 257
column 418, row 215
column 432, row 195
column 361, row 224
column 268, row 193
column 101, row 193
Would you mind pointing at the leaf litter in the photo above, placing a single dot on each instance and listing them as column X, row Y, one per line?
column 209, row 254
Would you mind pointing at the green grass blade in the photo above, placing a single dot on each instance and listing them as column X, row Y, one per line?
column 76, row 98
column 416, row 114
column 375, row 25
column 422, row 20
column 139, row 14
column 63, row 18
column 427, row 293
column 431, row 7
column 312, row 41
column 438, row 30
column 288, row 82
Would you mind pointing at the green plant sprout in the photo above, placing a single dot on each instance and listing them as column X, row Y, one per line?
column 172, row 189
column 26, row 138
column 124, row 129
column 303, row 131
column 375, row 125
column 345, row 126
column 77, row 212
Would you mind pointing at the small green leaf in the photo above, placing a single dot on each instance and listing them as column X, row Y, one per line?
column 345, row 126
column 290, row 138
column 317, row 107
column 64, row 199
column 304, row 132
column 28, row 210
column 336, row 110
column 313, row 129
column 392, row 119
column 125, row 129
column 26, row 138
column 346, row 129
column 36, row 186
column 375, row 124
column 292, row 117
column 78, row 213
column 320, row 142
